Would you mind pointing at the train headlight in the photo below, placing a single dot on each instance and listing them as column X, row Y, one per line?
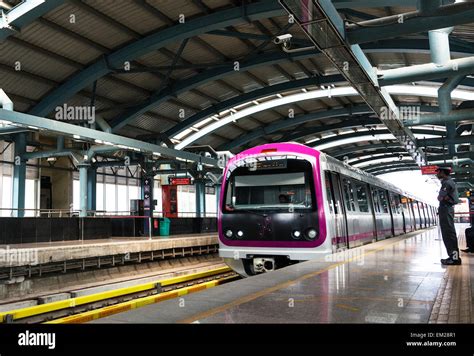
column 311, row 233
column 240, row 233
column 229, row 233
column 296, row 234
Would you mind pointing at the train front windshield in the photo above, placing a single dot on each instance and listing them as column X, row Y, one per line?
column 277, row 185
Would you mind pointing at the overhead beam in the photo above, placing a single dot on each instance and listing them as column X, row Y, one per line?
column 355, row 4
column 23, row 14
column 412, row 22
column 83, row 133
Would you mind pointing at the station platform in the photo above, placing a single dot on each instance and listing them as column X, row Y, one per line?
column 398, row 280
column 59, row 251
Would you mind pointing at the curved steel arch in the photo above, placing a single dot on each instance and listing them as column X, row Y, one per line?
column 389, row 165
column 370, row 159
column 291, row 85
column 340, row 125
column 354, row 149
column 362, row 134
column 199, row 79
column 394, row 170
column 194, row 27
column 252, row 95
column 376, row 151
column 297, row 120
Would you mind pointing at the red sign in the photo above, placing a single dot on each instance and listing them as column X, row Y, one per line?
column 429, row 170
column 179, row 180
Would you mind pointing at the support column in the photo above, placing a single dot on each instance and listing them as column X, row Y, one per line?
column 83, row 168
column 200, row 198
column 91, row 188
column 218, row 195
column 148, row 203
column 19, row 176
column 445, row 107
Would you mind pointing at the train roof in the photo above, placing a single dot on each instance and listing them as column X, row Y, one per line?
column 335, row 165
column 353, row 172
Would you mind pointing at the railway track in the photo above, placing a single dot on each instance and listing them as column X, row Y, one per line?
column 94, row 306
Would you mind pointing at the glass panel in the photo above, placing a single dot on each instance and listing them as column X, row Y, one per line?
column 99, row 201
column 271, row 185
column 348, row 195
column 329, row 194
column 75, row 195
column 383, row 201
column 122, row 199
column 110, row 198
column 6, row 195
column 361, row 190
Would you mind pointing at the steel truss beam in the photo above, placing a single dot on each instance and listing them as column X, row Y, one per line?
column 116, row 142
column 412, row 22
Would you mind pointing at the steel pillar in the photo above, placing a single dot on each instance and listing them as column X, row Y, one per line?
column 91, row 188
column 445, row 107
column 218, row 195
column 200, row 198
column 83, row 191
column 19, row 176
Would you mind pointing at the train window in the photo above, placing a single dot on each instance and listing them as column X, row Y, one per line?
column 288, row 187
column 383, row 201
column 362, row 200
column 395, row 203
column 329, row 194
column 376, row 200
column 348, row 194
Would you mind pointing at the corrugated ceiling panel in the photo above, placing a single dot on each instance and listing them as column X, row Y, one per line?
column 33, row 62
column 129, row 13
column 59, row 43
column 89, row 25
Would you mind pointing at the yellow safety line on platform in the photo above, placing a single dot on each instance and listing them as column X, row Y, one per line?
column 136, row 303
column 73, row 302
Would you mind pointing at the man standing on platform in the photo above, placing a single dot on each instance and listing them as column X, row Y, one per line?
column 448, row 197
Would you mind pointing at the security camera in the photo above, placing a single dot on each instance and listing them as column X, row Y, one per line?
column 282, row 39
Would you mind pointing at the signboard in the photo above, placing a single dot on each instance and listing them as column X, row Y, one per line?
column 147, row 193
column 272, row 164
column 429, row 170
column 179, row 180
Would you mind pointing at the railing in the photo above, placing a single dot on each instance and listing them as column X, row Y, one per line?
column 44, row 213
column 60, row 213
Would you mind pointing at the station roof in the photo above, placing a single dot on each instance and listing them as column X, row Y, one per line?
column 207, row 72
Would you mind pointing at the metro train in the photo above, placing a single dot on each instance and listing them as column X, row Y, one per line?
column 283, row 203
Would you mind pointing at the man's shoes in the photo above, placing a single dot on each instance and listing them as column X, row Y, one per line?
column 450, row 262
column 468, row 250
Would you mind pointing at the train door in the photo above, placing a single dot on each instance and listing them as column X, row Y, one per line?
column 397, row 217
column 383, row 217
column 366, row 225
column 347, row 193
column 377, row 217
column 416, row 214
column 422, row 214
column 407, row 214
column 341, row 235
